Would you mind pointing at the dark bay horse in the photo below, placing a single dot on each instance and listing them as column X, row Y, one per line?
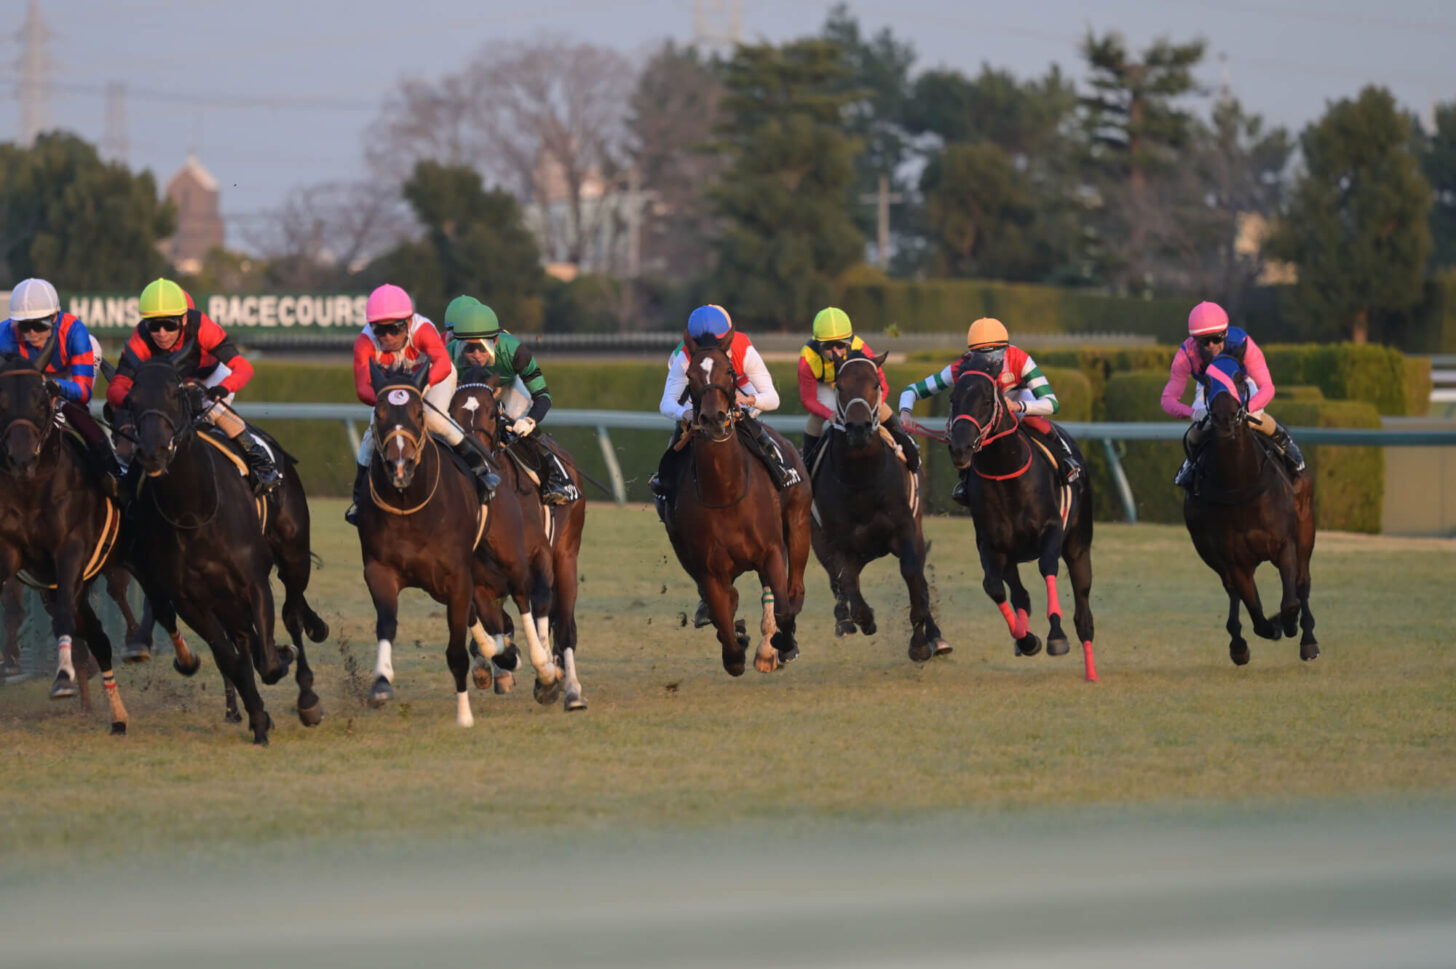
column 425, row 527
column 728, row 518
column 195, row 540
column 1246, row 510
column 552, row 532
column 1023, row 511
column 867, row 505
column 55, row 523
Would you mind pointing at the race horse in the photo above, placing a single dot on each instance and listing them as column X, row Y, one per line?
column 867, row 505
column 198, row 541
column 1245, row 509
column 1022, row 509
column 58, row 530
column 727, row 517
column 425, row 527
column 552, row 532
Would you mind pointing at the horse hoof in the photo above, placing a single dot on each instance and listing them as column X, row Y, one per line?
column 766, row 664
column 64, row 687
column 233, row 716
column 788, row 656
column 260, row 739
column 1308, row 651
column 1239, row 653
column 868, row 628
column 740, row 633
column 701, row 618
column 574, row 702
column 920, row 652
column 845, row 628
column 311, row 716
column 381, row 693
column 1028, row 645
column 187, row 670
column 734, row 667
column 135, row 653
column 941, row 648
column 546, row 695
column 481, row 676
column 1058, row 646
column 118, row 728
column 505, row 681
column 317, row 629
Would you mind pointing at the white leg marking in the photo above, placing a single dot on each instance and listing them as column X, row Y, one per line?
column 463, row 717
column 63, row 657
column 573, row 685
column 767, row 627
column 540, row 659
column 384, row 667
column 488, row 645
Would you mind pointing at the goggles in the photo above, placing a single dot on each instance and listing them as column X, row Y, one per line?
column 480, row 345
column 835, row 346
column 34, row 326
column 1209, row 340
column 388, row 327
column 164, row 324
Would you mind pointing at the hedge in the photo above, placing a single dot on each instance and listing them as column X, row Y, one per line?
column 1135, row 395
column 1418, row 385
column 950, row 305
column 1349, row 482
column 1346, row 371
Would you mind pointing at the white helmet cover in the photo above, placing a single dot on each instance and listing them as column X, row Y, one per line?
column 33, row 299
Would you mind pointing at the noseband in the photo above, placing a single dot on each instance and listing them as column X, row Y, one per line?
column 986, row 433
column 41, row 433
column 399, row 432
column 842, row 408
column 733, row 412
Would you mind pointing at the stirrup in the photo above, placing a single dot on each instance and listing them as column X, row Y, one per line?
column 351, row 514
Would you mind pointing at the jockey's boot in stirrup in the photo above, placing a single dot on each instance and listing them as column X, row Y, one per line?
column 110, row 467
column 784, row 474
column 260, row 464
column 558, row 488
column 1293, row 459
column 1067, row 464
column 659, row 496
column 906, row 441
column 811, row 448
column 361, row 477
column 958, row 493
column 486, row 480
column 1184, row 477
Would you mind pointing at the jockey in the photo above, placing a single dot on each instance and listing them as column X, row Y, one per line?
column 396, row 338
column 1209, row 334
column 168, row 324
column 755, row 393
column 478, row 341
column 833, row 342
column 1021, row 381
column 35, row 314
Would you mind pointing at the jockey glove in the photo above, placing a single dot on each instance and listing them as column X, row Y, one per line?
column 216, row 393
column 523, row 426
column 52, row 388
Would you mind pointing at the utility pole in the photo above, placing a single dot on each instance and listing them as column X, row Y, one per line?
column 718, row 23
column 33, row 88
column 882, row 199
column 115, row 146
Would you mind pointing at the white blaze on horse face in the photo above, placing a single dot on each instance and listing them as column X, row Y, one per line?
column 707, row 365
column 383, row 666
column 471, row 404
column 399, row 441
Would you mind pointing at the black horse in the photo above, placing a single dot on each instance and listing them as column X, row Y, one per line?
column 867, row 505
column 56, row 522
column 1246, row 509
column 1023, row 510
column 196, row 543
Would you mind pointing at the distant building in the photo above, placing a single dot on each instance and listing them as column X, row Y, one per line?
column 194, row 193
column 611, row 216
column 1249, row 240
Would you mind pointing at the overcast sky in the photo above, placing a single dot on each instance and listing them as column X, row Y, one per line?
column 275, row 95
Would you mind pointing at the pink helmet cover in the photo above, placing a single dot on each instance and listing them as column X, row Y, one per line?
column 388, row 302
column 1206, row 318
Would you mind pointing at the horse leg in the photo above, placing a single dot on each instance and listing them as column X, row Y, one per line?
column 1289, row 606
column 494, row 662
column 722, row 601
column 67, row 599
column 1079, row 570
column 134, row 649
column 1308, row 645
column 994, row 578
column 1248, row 590
column 1238, row 648
column 235, row 660
column 457, row 615
column 772, row 577
column 12, row 600
column 163, row 612
column 860, row 612
column 1047, row 562
column 293, row 573
column 563, row 621
column 383, row 585
column 1018, row 613
column 100, row 646
column 925, row 638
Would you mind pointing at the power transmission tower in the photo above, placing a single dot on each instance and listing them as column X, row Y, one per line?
column 718, row 23
column 115, row 146
column 33, row 88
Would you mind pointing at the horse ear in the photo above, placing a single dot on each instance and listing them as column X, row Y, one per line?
column 377, row 374
column 689, row 344
column 880, row 360
column 420, row 376
column 179, row 356
column 725, row 342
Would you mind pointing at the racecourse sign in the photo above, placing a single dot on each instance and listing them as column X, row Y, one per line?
column 269, row 311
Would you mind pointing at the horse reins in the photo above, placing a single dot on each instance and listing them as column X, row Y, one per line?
column 984, row 433
column 842, row 409
column 41, row 434
column 418, row 440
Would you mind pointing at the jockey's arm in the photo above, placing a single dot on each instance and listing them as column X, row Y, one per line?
column 215, row 341
column 363, row 386
column 1257, row 369
column 809, row 388
column 926, row 388
column 672, row 406
column 760, row 384
column 427, row 341
column 1178, row 376
column 1044, row 401
column 120, row 384
column 525, row 366
column 82, row 356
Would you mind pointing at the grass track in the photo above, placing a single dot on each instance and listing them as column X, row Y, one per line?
column 852, row 732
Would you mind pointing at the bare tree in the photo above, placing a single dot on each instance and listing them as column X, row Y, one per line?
column 324, row 232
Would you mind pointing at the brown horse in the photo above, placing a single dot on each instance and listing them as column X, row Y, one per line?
column 1023, row 512
column 552, row 532
column 425, row 527
column 728, row 518
column 1245, row 510
column 867, row 505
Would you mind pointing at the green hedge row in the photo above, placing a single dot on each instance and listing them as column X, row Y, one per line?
column 950, row 305
column 1349, row 482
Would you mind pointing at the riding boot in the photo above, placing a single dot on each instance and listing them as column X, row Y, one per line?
column 958, row 493
column 557, row 488
column 755, row 435
column 110, row 469
column 1184, row 477
column 361, row 478
column 1067, row 464
column 660, row 495
column 486, row 480
column 260, row 464
column 811, row 448
column 1288, row 450
column 905, row 440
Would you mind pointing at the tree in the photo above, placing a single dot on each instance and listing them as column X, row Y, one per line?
column 1025, row 118
column 322, row 234
column 980, row 214
column 1438, row 161
column 474, row 243
column 545, row 118
column 674, row 111
column 1133, row 130
column 67, row 216
column 1357, row 227
column 785, row 197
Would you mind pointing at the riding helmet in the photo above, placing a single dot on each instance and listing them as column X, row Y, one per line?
column 1207, row 318
column 832, row 323
column 34, row 299
column 986, row 333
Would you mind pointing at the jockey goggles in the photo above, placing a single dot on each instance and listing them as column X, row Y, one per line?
column 480, row 344
column 835, row 346
column 389, row 327
column 35, row 326
column 159, row 324
column 1210, row 339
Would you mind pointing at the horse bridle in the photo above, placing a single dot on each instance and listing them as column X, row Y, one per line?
column 418, row 440
column 842, row 409
column 494, row 437
column 734, row 413
column 984, row 433
column 41, row 433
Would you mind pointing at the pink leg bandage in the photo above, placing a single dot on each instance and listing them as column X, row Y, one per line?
column 1053, row 608
column 1087, row 658
column 1019, row 630
column 1005, row 608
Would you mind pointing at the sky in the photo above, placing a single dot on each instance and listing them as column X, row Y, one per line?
column 276, row 95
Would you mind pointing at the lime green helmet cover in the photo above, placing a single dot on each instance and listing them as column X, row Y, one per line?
column 832, row 323
column 162, row 297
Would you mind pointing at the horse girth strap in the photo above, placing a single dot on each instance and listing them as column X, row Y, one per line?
column 104, row 544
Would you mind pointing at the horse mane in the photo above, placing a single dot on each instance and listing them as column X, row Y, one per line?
column 479, row 374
